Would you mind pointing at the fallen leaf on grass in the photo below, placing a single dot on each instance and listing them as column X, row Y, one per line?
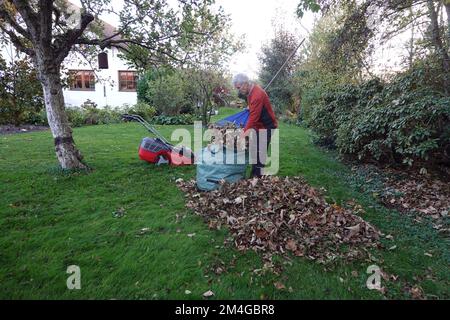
column 354, row 230
column 208, row 294
column 214, row 224
column 279, row 286
column 143, row 231
column 417, row 293
column 218, row 271
column 415, row 193
column 261, row 233
column 119, row 213
column 291, row 245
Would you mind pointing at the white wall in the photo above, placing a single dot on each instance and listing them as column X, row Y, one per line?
column 107, row 85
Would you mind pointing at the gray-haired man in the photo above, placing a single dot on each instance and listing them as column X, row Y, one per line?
column 261, row 116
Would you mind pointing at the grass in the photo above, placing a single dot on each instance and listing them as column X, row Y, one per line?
column 51, row 219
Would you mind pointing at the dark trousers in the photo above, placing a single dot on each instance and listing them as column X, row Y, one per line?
column 261, row 153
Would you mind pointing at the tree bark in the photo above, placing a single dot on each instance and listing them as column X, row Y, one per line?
column 68, row 155
column 437, row 42
column 411, row 41
column 447, row 9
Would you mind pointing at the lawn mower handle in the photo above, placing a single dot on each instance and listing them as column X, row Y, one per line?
column 148, row 126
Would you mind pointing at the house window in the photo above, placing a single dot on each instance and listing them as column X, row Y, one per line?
column 82, row 80
column 127, row 80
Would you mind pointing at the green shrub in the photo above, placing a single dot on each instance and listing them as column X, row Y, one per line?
column 166, row 90
column 20, row 92
column 75, row 116
column 403, row 121
column 148, row 77
column 89, row 114
column 409, row 128
column 37, row 118
column 109, row 115
column 340, row 105
column 289, row 119
column 182, row 119
column 143, row 109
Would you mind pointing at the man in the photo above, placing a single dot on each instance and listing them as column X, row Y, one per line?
column 261, row 117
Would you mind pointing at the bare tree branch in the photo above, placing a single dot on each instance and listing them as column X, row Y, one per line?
column 17, row 42
column 65, row 42
column 57, row 15
column 4, row 14
column 45, row 21
column 28, row 16
column 116, row 43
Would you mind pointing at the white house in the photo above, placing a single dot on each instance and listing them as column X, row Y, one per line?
column 114, row 86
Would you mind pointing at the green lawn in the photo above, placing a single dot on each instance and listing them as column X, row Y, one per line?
column 51, row 219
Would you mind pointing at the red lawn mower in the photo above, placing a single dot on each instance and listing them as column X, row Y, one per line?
column 158, row 150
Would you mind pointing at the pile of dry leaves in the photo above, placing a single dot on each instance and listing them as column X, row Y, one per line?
column 418, row 193
column 281, row 215
column 229, row 135
column 411, row 192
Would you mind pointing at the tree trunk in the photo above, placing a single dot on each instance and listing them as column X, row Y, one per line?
column 68, row 155
column 411, row 41
column 437, row 42
column 204, row 111
column 447, row 8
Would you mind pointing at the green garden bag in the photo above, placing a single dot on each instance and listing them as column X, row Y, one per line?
column 215, row 164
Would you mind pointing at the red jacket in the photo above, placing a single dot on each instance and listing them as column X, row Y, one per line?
column 261, row 112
